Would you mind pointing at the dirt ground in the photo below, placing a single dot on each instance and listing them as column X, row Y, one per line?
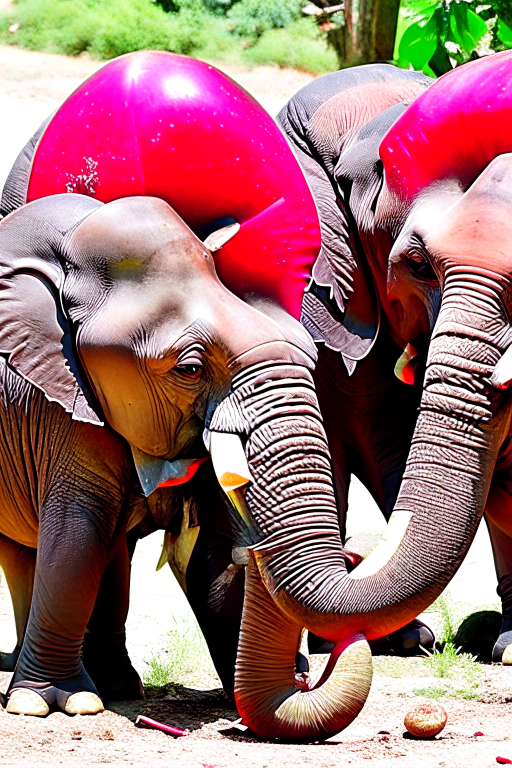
column 31, row 86
column 377, row 734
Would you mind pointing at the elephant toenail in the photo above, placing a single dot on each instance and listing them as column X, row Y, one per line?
column 22, row 701
column 83, row 703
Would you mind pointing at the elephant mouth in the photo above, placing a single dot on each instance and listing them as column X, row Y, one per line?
column 182, row 470
column 161, row 473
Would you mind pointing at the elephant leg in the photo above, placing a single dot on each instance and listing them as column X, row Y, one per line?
column 498, row 516
column 76, row 527
column 104, row 650
column 215, row 591
column 18, row 564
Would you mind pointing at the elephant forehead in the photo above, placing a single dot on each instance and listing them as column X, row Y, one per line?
column 135, row 237
column 477, row 229
column 476, row 235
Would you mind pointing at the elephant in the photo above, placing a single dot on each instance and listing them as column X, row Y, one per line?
column 409, row 301
column 287, row 422
column 95, row 331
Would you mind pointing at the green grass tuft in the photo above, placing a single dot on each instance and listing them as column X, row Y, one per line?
column 459, row 671
column 185, row 660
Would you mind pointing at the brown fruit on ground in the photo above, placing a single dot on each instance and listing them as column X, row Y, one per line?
column 425, row 720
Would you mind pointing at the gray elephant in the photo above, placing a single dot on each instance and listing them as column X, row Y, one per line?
column 86, row 300
column 413, row 185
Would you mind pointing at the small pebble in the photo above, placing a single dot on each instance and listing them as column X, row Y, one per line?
column 425, row 720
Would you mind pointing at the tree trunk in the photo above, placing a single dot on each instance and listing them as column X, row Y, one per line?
column 368, row 34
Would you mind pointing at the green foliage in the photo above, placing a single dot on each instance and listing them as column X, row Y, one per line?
column 185, row 660
column 220, row 7
column 298, row 45
column 103, row 29
column 251, row 18
column 447, row 33
column 449, row 618
column 108, row 28
column 460, row 673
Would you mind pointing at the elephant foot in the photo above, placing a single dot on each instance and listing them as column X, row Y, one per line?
column 84, row 703
column 502, row 651
column 114, row 677
column 75, row 696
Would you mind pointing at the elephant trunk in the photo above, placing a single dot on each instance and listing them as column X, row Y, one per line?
column 291, row 491
column 459, row 431
column 299, row 556
column 266, row 695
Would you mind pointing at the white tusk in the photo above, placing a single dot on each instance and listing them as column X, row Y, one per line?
column 404, row 371
column 220, row 237
column 228, row 459
column 385, row 550
column 502, row 375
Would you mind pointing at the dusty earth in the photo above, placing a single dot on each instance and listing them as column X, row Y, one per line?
column 31, row 86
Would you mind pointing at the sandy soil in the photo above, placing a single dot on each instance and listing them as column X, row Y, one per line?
column 31, row 86
column 213, row 741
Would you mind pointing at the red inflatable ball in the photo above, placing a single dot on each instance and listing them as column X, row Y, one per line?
column 154, row 123
column 454, row 129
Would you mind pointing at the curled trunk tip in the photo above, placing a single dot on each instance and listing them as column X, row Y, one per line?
column 265, row 691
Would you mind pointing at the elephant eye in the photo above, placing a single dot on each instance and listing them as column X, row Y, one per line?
column 190, row 370
column 419, row 264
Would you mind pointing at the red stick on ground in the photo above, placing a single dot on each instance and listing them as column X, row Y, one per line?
column 503, row 761
column 146, row 722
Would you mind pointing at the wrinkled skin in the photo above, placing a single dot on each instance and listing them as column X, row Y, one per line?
column 157, row 369
column 441, row 267
column 212, row 582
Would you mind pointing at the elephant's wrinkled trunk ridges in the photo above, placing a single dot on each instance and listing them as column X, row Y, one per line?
column 441, row 500
column 276, row 407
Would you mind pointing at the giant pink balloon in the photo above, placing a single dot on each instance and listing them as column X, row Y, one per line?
column 455, row 128
column 154, row 123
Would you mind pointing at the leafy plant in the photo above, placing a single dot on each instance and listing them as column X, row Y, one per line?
column 298, row 45
column 451, row 32
column 254, row 17
column 104, row 30
column 449, row 617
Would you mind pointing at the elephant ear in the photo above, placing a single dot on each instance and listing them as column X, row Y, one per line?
column 339, row 308
column 360, row 171
column 34, row 334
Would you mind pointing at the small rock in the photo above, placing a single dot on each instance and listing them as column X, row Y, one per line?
column 425, row 720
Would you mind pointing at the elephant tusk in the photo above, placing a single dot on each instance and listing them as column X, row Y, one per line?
column 177, row 548
column 231, row 468
column 406, row 365
column 228, row 459
column 502, row 374
column 220, row 237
